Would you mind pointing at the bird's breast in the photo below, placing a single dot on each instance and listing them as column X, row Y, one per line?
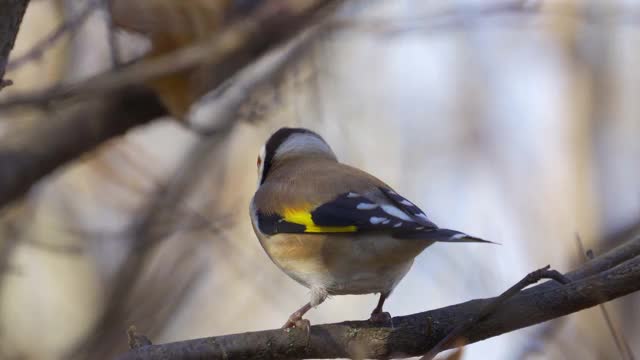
column 343, row 263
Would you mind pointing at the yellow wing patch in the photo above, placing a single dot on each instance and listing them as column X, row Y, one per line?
column 303, row 217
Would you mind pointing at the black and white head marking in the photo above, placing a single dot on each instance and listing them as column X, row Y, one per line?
column 290, row 142
column 261, row 165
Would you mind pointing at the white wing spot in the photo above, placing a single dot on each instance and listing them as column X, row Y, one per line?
column 386, row 221
column 353, row 195
column 458, row 236
column 377, row 220
column 398, row 224
column 366, row 206
column 421, row 215
column 420, row 228
column 395, row 212
column 406, row 202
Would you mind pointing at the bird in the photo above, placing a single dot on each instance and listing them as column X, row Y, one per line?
column 333, row 228
column 172, row 25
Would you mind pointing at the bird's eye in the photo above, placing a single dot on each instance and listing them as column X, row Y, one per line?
column 259, row 161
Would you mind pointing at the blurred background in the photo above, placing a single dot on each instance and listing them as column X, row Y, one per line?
column 512, row 125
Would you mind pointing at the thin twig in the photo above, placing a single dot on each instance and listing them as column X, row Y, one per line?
column 10, row 20
column 458, row 17
column 151, row 228
column 136, row 339
column 531, row 278
column 621, row 342
column 455, row 16
column 274, row 22
column 228, row 100
column 28, row 160
column 112, row 38
column 11, row 236
column 206, row 50
column 157, row 217
column 69, row 249
column 43, row 45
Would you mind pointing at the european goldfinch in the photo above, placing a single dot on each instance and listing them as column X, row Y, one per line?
column 333, row 228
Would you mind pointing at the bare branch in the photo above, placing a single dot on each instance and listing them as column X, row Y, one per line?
column 151, row 228
column 155, row 221
column 228, row 100
column 47, row 144
column 621, row 342
column 457, row 17
column 412, row 335
column 230, row 50
column 11, row 13
column 531, row 278
column 43, row 45
column 36, row 149
column 112, row 39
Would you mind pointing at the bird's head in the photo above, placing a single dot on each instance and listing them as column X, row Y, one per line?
column 290, row 143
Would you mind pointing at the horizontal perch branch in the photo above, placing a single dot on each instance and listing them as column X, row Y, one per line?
column 610, row 276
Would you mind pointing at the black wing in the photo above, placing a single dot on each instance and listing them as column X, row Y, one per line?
column 351, row 212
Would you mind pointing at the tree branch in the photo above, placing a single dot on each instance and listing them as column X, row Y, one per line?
column 621, row 343
column 67, row 26
column 227, row 52
column 83, row 122
column 605, row 278
column 39, row 146
column 11, row 13
column 530, row 279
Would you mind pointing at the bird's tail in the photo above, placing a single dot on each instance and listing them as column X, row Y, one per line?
column 447, row 235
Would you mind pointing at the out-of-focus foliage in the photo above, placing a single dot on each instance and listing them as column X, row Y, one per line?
column 519, row 129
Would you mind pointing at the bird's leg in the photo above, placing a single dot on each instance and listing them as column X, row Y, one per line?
column 296, row 320
column 377, row 315
column 318, row 295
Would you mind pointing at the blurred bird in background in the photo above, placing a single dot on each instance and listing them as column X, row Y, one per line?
column 172, row 25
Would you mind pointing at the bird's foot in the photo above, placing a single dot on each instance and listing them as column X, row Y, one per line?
column 380, row 317
column 299, row 324
column 296, row 321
